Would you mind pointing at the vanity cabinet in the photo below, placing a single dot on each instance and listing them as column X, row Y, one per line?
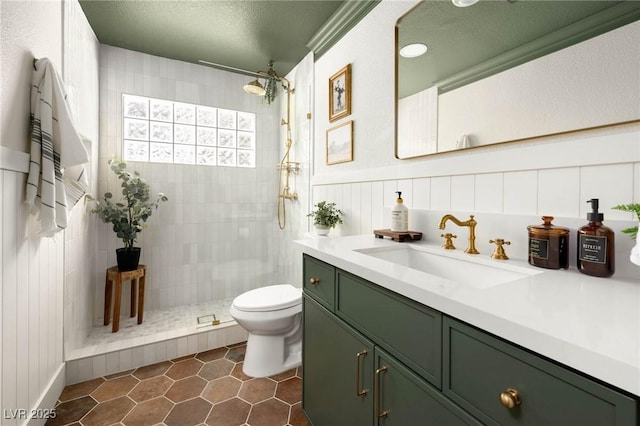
column 534, row 391
column 350, row 381
column 374, row 357
column 348, row 376
column 409, row 331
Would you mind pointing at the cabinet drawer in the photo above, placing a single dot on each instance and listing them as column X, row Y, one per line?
column 319, row 281
column 407, row 330
column 480, row 367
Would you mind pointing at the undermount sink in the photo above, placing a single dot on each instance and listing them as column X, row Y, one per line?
column 463, row 269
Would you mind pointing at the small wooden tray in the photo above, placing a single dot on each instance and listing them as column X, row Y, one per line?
column 398, row 236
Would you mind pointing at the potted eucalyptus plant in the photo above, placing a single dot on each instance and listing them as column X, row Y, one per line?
column 325, row 216
column 129, row 214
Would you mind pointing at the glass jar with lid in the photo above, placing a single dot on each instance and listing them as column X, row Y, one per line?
column 548, row 245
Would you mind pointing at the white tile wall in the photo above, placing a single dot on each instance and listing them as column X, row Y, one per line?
column 559, row 191
column 214, row 237
column 218, row 234
column 504, row 202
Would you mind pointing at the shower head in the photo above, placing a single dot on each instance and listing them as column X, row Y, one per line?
column 254, row 88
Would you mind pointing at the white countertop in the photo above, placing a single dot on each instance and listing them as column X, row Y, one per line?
column 587, row 323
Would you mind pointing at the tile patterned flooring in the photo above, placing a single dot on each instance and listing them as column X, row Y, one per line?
column 208, row 388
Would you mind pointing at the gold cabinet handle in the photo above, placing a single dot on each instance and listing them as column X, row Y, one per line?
column 377, row 392
column 510, row 398
column 359, row 391
column 314, row 281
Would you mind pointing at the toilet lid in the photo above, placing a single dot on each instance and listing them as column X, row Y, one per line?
column 270, row 298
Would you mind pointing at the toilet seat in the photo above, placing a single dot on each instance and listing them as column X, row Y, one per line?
column 270, row 298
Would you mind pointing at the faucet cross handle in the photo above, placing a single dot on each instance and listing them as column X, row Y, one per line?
column 448, row 243
column 499, row 252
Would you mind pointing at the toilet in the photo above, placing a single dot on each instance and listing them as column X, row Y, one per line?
column 273, row 317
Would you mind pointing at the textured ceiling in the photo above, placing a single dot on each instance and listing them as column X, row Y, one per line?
column 240, row 34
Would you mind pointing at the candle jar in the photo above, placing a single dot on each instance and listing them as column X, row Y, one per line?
column 548, row 245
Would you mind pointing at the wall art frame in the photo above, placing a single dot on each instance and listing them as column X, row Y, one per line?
column 339, row 144
column 340, row 94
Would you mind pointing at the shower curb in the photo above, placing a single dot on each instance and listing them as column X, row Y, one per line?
column 91, row 363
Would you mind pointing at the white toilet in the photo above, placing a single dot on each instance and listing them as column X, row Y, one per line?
column 273, row 317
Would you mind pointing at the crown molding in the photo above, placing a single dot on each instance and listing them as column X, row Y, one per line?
column 343, row 19
column 607, row 20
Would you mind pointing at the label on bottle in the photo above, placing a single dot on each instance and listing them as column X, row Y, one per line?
column 539, row 248
column 592, row 248
column 399, row 220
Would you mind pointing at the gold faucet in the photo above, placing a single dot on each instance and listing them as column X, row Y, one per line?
column 471, row 223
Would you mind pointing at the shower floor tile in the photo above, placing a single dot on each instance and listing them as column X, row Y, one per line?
column 157, row 325
column 207, row 388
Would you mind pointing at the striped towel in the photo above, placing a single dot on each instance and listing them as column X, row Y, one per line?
column 57, row 179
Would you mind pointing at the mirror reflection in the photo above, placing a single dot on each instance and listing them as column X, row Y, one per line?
column 467, row 44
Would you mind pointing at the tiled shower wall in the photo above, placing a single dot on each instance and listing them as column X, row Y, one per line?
column 217, row 236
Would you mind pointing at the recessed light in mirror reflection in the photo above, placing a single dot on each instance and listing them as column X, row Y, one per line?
column 413, row 50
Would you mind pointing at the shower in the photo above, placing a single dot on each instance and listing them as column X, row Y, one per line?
column 269, row 91
column 286, row 167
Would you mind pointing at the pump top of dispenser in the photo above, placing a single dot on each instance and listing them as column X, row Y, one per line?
column 399, row 200
column 594, row 216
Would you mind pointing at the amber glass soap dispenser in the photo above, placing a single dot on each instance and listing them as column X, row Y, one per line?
column 596, row 245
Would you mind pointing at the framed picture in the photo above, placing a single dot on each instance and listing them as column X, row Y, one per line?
column 340, row 143
column 340, row 94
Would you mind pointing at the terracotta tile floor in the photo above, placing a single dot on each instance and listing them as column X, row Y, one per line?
column 208, row 388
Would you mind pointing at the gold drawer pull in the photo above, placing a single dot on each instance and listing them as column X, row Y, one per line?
column 377, row 391
column 359, row 392
column 510, row 398
column 314, row 281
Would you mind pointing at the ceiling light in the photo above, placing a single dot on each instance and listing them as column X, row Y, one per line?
column 464, row 3
column 254, row 88
column 413, row 50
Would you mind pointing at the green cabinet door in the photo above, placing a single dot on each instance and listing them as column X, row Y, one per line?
column 337, row 386
column 405, row 399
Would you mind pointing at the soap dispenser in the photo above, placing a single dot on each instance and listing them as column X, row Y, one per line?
column 399, row 215
column 596, row 245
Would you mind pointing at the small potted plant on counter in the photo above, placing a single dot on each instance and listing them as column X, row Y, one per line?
column 325, row 216
column 129, row 214
column 633, row 231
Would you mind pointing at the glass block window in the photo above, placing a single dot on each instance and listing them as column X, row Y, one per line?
column 160, row 131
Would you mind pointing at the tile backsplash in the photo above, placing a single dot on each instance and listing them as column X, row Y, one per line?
column 504, row 202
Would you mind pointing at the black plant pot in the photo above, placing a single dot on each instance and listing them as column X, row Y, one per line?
column 128, row 259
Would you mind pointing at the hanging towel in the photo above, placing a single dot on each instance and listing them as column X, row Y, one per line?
column 57, row 179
